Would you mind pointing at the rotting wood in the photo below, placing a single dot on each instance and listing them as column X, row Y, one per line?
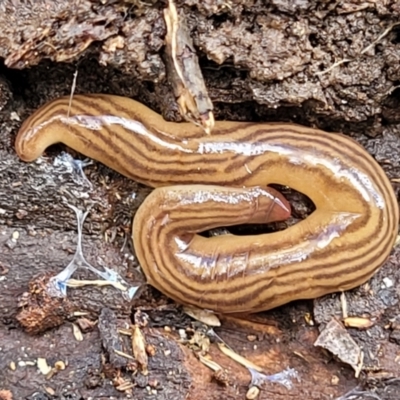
column 44, row 225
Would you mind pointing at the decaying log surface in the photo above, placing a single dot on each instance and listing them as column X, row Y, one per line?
column 261, row 60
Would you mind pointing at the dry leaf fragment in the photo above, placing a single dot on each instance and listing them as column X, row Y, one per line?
column 43, row 367
column 77, row 333
column 139, row 349
column 358, row 322
column 337, row 340
column 206, row 317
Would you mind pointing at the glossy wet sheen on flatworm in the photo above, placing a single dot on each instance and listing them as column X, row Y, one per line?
column 205, row 181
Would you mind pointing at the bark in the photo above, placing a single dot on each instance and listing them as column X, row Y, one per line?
column 333, row 65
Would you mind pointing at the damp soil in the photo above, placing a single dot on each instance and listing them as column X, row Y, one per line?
column 328, row 64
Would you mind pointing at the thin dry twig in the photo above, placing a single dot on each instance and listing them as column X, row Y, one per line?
column 185, row 73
